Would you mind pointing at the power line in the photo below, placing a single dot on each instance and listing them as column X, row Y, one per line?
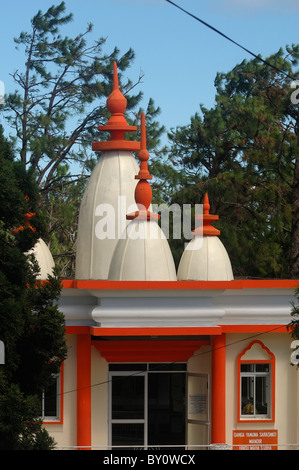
column 105, row 382
column 258, row 57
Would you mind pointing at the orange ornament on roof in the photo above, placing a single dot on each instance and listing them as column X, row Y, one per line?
column 117, row 125
column 206, row 229
column 27, row 218
column 143, row 191
column 142, row 252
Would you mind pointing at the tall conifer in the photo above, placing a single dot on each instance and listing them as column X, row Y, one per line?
column 31, row 326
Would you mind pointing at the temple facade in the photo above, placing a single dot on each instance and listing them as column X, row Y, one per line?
column 158, row 357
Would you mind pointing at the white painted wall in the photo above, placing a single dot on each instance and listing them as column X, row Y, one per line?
column 285, row 388
column 286, row 407
column 65, row 434
column 99, row 400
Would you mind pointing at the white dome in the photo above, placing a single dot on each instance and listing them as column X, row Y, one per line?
column 112, row 183
column 142, row 254
column 205, row 259
column 44, row 259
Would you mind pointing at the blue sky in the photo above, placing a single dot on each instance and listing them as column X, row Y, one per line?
column 178, row 56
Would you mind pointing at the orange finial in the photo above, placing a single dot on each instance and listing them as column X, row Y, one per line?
column 143, row 154
column 206, row 229
column 206, row 204
column 27, row 218
column 116, row 102
column 143, row 190
column 117, row 125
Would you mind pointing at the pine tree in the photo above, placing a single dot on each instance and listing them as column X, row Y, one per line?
column 31, row 326
column 55, row 112
column 244, row 152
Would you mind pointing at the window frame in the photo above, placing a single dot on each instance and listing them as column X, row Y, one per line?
column 270, row 417
column 58, row 419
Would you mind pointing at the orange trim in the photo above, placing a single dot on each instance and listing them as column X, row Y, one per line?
column 67, row 284
column 77, row 330
column 129, row 145
column 83, row 391
column 181, row 285
column 148, row 351
column 158, row 331
column 254, row 328
column 174, row 331
column 218, row 390
column 257, row 361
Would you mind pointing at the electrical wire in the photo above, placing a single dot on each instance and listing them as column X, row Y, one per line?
column 232, row 40
column 105, row 382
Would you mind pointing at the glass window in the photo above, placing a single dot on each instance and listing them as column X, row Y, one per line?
column 51, row 401
column 127, row 367
column 256, row 369
column 127, row 434
column 128, row 397
column 147, row 408
column 255, row 390
column 176, row 366
column 166, row 408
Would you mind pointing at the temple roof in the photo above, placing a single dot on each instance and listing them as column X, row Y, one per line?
column 143, row 252
column 109, row 193
column 205, row 257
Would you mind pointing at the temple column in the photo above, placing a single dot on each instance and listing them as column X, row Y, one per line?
column 218, row 390
column 83, row 390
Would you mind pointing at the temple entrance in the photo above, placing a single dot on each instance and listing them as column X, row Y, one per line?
column 148, row 406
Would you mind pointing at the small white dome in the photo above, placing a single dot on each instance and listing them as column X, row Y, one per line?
column 205, row 259
column 142, row 254
column 111, row 185
column 44, row 259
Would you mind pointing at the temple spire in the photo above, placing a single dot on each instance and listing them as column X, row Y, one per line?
column 117, row 125
column 143, row 191
column 206, row 229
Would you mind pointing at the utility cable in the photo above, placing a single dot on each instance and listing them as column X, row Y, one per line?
column 134, row 373
column 258, row 57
